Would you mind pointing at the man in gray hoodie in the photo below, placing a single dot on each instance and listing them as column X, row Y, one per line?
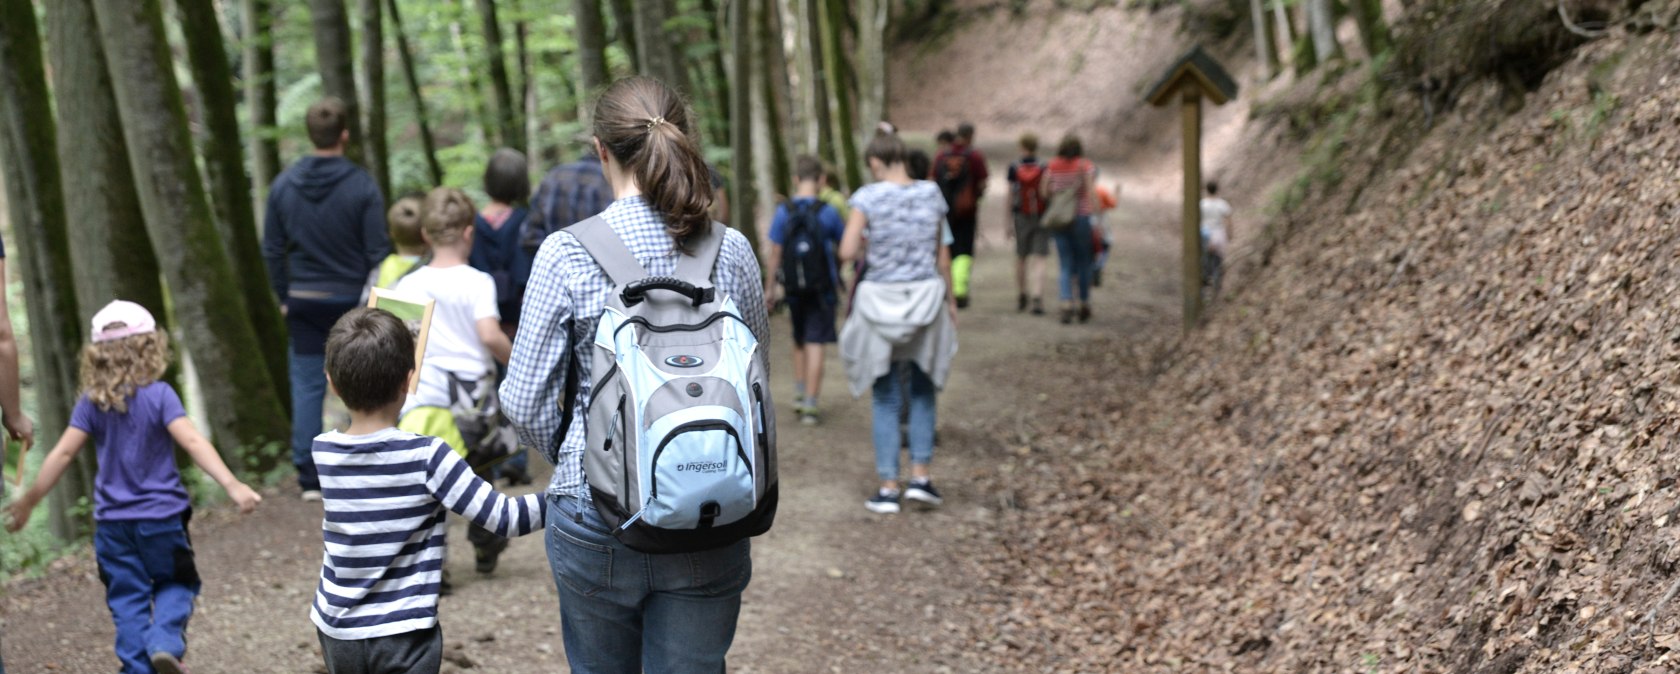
column 323, row 235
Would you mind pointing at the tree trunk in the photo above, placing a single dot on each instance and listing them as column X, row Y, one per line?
column 1285, row 34
column 818, row 85
column 658, row 49
column 741, row 194
column 260, row 98
column 428, row 146
column 331, row 26
column 1373, row 31
column 247, row 414
column 373, row 75
column 624, row 18
column 475, row 85
column 1262, row 39
column 528, row 96
column 872, row 66
column 840, row 94
column 723, row 102
column 1321, row 23
column 774, row 69
column 36, row 207
column 1304, row 55
column 224, row 160
column 507, row 112
column 591, row 35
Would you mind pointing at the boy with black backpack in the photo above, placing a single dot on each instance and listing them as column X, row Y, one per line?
column 960, row 171
column 1032, row 241
column 803, row 238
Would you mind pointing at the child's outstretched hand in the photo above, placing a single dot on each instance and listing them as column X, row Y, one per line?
column 244, row 496
column 17, row 514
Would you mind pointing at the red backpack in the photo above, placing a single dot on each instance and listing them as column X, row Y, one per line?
column 1027, row 177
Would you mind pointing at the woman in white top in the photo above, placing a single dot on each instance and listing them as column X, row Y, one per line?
column 903, row 314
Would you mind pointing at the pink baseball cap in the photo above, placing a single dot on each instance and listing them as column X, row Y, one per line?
column 134, row 318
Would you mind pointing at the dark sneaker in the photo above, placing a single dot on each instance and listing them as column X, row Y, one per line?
column 924, row 492
column 1021, row 303
column 167, row 663
column 884, row 502
column 445, row 588
column 1085, row 313
column 962, row 301
column 1037, row 307
column 485, row 556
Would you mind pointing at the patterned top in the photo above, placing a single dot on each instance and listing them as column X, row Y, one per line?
column 570, row 194
column 1064, row 173
column 905, row 227
column 384, row 496
column 563, row 303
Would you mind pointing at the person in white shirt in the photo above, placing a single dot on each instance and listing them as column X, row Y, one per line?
column 1216, row 238
column 466, row 334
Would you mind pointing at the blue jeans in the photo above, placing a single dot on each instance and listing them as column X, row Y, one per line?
column 150, row 584
column 923, row 418
column 309, row 390
column 625, row 612
column 1073, row 252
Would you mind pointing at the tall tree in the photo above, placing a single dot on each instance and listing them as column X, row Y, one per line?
column 624, row 18
column 428, row 146
column 36, row 206
column 1321, row 24
column 475, row 84
column 373, row 74
column 818, row 84
column 247, row 413
column 722, row 101
column 1373, row 31
column 773, row 71
column 590, row 32
column 260, row 96
column 839, row 93
column 742, row 196
column 224, row 161
column 507, row 112
column 331, row 26
column 872, row 65
column 1262, row 39
column 658, row 48
column 527, row 83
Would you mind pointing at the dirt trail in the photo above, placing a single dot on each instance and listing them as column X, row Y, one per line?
column 835, row 588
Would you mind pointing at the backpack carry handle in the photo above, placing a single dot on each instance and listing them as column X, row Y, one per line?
column 636, row 292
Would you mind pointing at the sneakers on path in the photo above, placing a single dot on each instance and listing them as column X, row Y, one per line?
column 884, row 502
column 924, row 492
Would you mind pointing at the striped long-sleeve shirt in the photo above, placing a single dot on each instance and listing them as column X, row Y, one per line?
column 385, row 496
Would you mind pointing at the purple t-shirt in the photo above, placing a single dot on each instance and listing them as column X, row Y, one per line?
column 137, row 477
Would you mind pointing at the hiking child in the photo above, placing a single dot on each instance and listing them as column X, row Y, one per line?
column 498, row 251
column 675, row 612
column 323, row 236
column 1216, row 237
column 140, row 508
column 1070, row 182
column 1032, row 242
column 1102, row 240
column 803, row 235
column 960, row 171
column 903, row 316
column 410, row 245
column 457, row 376
column 386, row 493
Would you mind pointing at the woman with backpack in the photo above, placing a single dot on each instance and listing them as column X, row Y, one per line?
column 903, row 317
column 1069, row 190
column 622, row 610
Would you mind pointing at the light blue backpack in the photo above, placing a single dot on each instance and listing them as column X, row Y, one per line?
column 680, row 447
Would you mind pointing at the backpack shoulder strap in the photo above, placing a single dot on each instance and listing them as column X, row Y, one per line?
column 609, row 251
column 696, row 266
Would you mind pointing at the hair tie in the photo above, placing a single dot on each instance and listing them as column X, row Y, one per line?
column 654, row 123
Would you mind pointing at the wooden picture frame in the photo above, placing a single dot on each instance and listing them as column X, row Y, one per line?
column 416, row 313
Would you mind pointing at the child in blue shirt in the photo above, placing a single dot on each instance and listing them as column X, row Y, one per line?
column 810, row 301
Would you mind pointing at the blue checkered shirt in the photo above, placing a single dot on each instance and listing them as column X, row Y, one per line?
column 570, row 194
column 563, row 303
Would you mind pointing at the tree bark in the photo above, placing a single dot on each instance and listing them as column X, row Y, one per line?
column 1373, row 31
column 1321, row 22
column 658, row 49
column 1304, row 55
column 247, row 414
column 475, row 85
column 723, row 101
column 224, row 161
column 839, row 93
column 507, row 112
column 624, row 18
column 428, row 146
column 872, row 66
column 1285, row 32
column 331, row 26
column 373, row 74
column 1262, row 39
column 591, row 35
column 774, row 70
column 818, row 85
column 260, row 98
column 36, row 207
column 742, row 195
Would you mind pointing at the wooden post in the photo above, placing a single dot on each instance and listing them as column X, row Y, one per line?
column 1192, row 225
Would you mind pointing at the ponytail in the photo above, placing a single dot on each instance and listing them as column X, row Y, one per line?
column 646, row 127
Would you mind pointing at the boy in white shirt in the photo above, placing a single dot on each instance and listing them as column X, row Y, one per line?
column 456, row 397
column 1216, row 222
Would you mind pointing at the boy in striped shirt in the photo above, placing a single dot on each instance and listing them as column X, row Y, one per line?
column 385, row 494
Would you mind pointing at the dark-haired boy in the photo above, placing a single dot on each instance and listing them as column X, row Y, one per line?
column 385, row 494
column 806, row 229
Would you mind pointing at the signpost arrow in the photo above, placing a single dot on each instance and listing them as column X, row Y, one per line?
column 1191, row 78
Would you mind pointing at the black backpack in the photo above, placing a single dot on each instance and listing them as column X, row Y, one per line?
column 806, row 270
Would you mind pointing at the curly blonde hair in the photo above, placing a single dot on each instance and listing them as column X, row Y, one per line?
column 112, row 371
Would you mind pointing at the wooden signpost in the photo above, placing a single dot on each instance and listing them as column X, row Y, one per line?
column 1191, row 78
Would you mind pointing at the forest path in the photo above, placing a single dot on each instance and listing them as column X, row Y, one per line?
column 835, row 588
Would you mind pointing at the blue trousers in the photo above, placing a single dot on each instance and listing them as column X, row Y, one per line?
column 1073, row 252
column 888, row 397
column 150, row 584
column 309, row 391
column 626, row 612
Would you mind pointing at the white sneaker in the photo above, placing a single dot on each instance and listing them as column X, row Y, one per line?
column 885, row 503
column 311, row 495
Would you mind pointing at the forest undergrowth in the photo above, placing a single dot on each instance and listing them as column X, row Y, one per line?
column 1433, row 429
